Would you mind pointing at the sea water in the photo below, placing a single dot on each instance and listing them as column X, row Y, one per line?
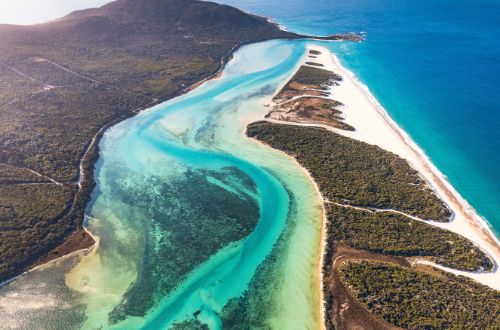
column 433, row 64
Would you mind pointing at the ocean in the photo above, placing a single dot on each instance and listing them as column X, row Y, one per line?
column 433, row 65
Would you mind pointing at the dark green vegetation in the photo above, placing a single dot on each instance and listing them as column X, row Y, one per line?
column 314, row 64
column 362, row 175
column 398, row 235
column 188, row 219
column 363, row 186
column 355, row 173
column 13, row 174
column 313, row 76
column 29, row 219
column 308, row 81
column 415, row 300
column 64, row 81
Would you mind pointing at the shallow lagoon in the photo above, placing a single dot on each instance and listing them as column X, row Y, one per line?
column 196, row 221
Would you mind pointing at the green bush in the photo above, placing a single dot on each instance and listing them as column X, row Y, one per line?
column 415, row 300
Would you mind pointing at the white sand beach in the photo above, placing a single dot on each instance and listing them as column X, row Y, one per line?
column 374, row 126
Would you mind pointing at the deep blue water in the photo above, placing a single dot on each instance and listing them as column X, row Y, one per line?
column 434, row 65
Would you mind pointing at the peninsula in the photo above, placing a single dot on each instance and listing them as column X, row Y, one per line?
column 396, row 231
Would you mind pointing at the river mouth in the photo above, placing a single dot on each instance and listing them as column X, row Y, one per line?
column 197, row 223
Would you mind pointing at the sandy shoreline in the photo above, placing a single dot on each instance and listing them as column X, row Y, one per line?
column 322, row 246
column 374, row 126
column 78, row 251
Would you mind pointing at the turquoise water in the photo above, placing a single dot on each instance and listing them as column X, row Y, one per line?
column 433, row 64
column 197, row 224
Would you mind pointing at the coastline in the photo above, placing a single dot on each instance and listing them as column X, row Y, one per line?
column 374, row 126
column 53, row 257
column 321, row 199
column 264, row 103
column 323, row 243
column 324, row 237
